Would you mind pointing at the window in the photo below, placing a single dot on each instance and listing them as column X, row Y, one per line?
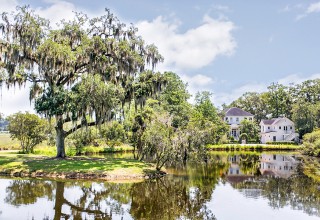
column 226, row 118
column 279, row 127
column 230, row 118
column 250, row 119
column 245, row 118
column 290, row 127
column 237, row 119
column 274, row 157
column 268, row 127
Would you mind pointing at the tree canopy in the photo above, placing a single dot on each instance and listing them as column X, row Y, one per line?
column 85, row 67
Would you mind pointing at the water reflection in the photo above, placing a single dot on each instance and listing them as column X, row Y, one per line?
column 184, row 194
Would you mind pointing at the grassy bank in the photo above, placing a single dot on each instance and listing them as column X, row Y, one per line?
column 250, row 147
column 13, row 164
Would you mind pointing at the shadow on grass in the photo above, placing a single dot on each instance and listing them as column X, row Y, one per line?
column 83, row 164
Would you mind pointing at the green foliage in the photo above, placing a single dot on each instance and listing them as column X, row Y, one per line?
column 279, row 100
column 306, row 116
column 251, row 129
column 86, row 67
column 84, row 137
column 255, row 103
column 158, row 142
column 114, row 133
column 311, row 143
column 28, row 128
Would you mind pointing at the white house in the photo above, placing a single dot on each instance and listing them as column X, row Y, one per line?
column 233, row 117
column 277, row 129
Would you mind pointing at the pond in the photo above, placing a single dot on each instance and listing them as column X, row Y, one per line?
column 229, row 186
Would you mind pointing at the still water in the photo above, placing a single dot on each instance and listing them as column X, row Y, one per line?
column 230, row 186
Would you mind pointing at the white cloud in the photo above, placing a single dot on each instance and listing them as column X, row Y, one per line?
column 297, row 79
column 222, row 8
column 8, row 5
column 198, row 80
column 312, row 8
column 227, row 97
column 56, row 11
column 14, row 100
column 193, row 49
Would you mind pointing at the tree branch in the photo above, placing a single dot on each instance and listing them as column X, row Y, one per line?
column 80, row 126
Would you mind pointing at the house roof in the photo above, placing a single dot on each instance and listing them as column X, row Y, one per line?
column 269, row 122
column 274, row 121
column 237, row 112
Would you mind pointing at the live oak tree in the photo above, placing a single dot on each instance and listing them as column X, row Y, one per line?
column 82, row 72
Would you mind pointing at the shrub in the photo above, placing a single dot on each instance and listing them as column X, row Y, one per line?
column 114, row 133
column 28, row 128
column 311, row 143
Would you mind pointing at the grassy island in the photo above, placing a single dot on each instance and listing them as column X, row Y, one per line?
column 12, row 164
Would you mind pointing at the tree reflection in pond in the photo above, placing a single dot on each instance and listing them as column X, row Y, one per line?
column 28, row 191
column 184, row 194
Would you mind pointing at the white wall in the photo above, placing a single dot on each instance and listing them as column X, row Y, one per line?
column 237, row 119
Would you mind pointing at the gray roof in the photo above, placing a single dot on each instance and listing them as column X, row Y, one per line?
column 274, row 120
column 269, row 122
column 237, row 112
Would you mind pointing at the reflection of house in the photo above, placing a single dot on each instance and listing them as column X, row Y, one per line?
column 233, row 117
column 234, row 174
column 278, row 165
column 277, row 129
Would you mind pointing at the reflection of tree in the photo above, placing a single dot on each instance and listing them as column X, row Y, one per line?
column 182, row 195
column 299, row 191
column 249, row 163
column 28, row 191
column 89, row 204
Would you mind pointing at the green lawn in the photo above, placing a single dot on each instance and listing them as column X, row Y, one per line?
column 115, row 168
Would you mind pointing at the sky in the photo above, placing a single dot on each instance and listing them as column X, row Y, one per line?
column 227, row 47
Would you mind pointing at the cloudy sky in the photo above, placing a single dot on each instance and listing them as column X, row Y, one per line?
column 227, row 47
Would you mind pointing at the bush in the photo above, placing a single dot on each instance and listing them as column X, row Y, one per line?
column 84, row 137
column 28, row 128
column 311, row 143
column 114, row 133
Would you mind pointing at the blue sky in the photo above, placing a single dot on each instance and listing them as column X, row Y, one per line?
column 227, row 47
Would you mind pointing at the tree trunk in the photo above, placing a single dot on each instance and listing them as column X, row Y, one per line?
column 60, row 139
